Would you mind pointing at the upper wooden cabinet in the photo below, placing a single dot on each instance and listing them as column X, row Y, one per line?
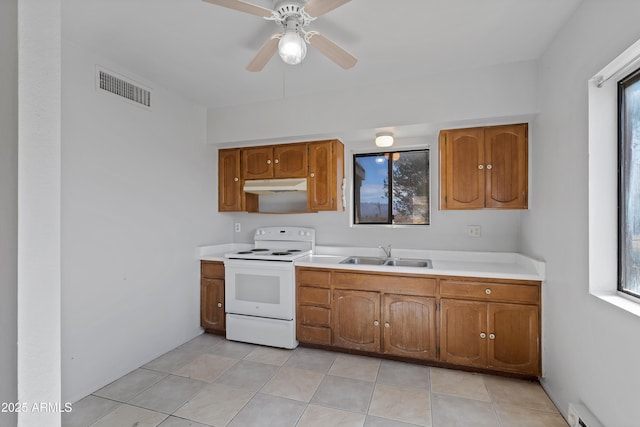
column 320, row 162
column 485, row 167
column 229, row 181
column 275, row 161
column 326, row 172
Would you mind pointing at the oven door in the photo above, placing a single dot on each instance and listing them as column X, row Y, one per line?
column 260, row 288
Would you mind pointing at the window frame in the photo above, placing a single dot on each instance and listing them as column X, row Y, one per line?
column 381, row 152
column 623, row 183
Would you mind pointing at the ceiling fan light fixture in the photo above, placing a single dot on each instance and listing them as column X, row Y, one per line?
column 292, row 48
column 384, row 139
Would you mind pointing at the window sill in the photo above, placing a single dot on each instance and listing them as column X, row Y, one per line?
column 628, row 304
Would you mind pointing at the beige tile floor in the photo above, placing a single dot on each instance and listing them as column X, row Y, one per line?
column 213, row 382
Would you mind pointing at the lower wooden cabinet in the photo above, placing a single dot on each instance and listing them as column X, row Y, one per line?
column 212, row 296
column 409, row 327
column 356, row 320
column 367, row 318
column 488, row 335
column 454, row 320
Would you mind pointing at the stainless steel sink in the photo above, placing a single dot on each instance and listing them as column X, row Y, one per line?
column 364, row 260
column 406, row 262
column 392, row 262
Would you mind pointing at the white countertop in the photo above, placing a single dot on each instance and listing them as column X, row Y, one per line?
column 498, row 265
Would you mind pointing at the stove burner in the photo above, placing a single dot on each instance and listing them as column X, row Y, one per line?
column 293, row 250
column 258, row 250
column 281, row 253
column 244, row 252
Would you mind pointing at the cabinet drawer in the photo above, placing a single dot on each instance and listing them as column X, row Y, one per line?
column 386, row 283
column 314, row 296
column 315, row 316
column 490, row 291
column 314, row 334
column 320, row 278
column 212, row 269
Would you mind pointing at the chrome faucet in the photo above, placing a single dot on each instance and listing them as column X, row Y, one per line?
column 386, row 250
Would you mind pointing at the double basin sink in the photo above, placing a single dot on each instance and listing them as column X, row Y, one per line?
column 393, row 262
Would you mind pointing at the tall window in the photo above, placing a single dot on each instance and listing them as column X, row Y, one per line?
column 391, row 187
column 629, row 184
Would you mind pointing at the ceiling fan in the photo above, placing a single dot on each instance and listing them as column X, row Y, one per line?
column 293, row 16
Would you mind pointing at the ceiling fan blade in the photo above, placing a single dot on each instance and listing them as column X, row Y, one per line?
column 331, row 50
column 320, row 7
column 243, row 7
column 264, row 54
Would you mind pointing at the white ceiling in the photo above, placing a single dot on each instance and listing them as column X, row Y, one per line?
column 200, row 50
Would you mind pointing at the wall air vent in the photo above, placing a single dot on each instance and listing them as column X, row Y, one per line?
column 111, row 82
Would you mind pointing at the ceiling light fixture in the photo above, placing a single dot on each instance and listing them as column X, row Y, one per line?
column 384, row 139
column 292, row 48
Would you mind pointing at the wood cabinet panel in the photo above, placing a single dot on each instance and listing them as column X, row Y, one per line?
column 326, row 172
column 490, row 291
column 212, row 317
column 290, row 161
column 308, row 295
column 229, row 181
column 411, row 285
column 485, row 167
column 462, row 324
column 212, row 269
column 409, row 326
column 356, row 321
column 507, row 167
column 257, row 162
column 314, row 334
column 514, row 338
column 463, row 169
column 315, row 316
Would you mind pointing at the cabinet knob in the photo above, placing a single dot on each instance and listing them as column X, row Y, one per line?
column 276, row 161
column 489, row 166
column 492, row 336
column 483, row 335
column 219, row 304
column 268, row 162
column 480, row 167
column 312, row 174
column 376, row 323
column 386, row 324
column 487, row 291
column 235, row 179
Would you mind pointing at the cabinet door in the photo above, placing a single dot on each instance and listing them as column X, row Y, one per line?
column 463, row 334
column 326, row 171
column 507, row 166
column 290, row 161
column 257, row 162
column 409, row 326
column 462, row 169
column 513, row 338
column 229, row 181
column 356, row 321
column 212, row 305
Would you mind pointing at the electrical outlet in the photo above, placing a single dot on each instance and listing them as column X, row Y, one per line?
column 473, row 230
column 237, row 227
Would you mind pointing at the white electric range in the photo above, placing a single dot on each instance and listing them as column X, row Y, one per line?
column 260, row 286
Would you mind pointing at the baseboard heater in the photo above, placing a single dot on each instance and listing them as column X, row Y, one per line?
column 581, row 416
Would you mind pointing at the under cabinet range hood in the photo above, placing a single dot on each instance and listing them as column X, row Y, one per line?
column 271, row 186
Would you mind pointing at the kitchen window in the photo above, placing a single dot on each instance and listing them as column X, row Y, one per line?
column 629, row 184
column 391, row 187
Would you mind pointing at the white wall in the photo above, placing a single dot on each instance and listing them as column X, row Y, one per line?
column 590, row 348
column 8, row 205
column 139, row 194
column 499, row 94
